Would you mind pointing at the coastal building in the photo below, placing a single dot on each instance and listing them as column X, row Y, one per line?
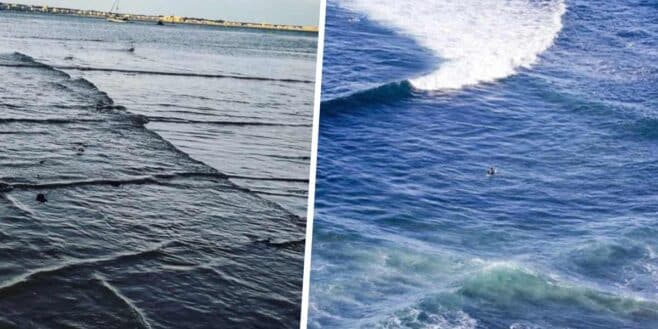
column 172, row 19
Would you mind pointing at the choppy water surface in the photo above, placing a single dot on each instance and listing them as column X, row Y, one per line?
column 174, row 162
column 410, row 232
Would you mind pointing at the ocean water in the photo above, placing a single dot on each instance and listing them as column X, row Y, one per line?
column 421, row 98
column 174, row 161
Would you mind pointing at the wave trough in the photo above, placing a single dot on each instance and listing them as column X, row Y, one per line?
column 479, row 41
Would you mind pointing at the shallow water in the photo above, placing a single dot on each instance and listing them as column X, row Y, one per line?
column 410, row 232
column 238, row 100
column 146, row 224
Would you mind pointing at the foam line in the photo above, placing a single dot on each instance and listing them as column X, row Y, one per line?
column 155, row 179
column 46, row 121
column 226, row 123
column 19, row 281
column 274, row 179
column 176, row 74
column 141, row 318
column 281, row 194
column 181, row 74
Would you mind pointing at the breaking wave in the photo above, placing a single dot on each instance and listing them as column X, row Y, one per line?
column 510, row 284
column 478, row 40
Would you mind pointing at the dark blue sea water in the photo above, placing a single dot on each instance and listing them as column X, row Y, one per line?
column 420, row 99
column 174, row 162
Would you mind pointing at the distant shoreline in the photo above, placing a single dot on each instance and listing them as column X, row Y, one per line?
column 152, row 18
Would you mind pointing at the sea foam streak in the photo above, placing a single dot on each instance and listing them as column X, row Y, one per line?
column 480, row 40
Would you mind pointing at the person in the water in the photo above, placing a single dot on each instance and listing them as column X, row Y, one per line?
column 492, row 171
column 41, row 198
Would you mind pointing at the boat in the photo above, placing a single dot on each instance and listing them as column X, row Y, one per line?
column 117, row 19
column 114, row 16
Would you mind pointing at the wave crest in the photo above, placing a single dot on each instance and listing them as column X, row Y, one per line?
column 479, row 40
column 509, row 284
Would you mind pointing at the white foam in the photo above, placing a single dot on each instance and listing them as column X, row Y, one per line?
column 480, row 40
column 417, row 318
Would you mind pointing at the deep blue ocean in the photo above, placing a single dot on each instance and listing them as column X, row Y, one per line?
column 419, row 99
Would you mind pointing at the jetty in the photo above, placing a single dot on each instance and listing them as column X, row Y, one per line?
column 152, row 18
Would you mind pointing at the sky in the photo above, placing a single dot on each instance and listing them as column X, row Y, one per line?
column 298, row 12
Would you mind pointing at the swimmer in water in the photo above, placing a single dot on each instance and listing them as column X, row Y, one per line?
column 41, row 198
column 491, row 171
